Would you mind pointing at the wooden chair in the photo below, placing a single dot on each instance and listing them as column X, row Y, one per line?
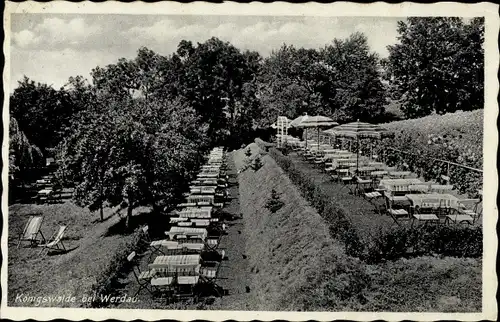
column 426, row 212
column 209, row 275
column 397, row 215
column 467, row 212
column 143, row 278
column 154, row 246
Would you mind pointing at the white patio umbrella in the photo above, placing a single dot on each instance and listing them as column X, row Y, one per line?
column 357, row 130
column 298, row 120
column 317, row 122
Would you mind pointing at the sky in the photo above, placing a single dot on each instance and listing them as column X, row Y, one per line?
column 49, row 48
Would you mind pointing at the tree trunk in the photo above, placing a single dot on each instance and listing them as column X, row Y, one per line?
column 101, row 211
column 128, row 219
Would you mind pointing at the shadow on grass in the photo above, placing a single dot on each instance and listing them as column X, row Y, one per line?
column 227, row 216
column 98, row 220
column 61, row 252
column 157, row 223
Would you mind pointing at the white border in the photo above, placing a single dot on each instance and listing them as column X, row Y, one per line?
column 488, row 10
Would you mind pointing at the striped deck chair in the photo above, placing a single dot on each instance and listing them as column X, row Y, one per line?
column 31, row 231
column 55, row 242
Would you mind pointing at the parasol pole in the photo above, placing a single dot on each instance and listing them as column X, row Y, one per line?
column 357, row 154
column 318, row 139
column 305, row 131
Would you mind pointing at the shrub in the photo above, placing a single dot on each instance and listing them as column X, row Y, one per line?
column 257, row 163
column 274, row 203
column 107, row 281
column 263, row 145
column 455, row 137
column 286, row 149
column 457, row 241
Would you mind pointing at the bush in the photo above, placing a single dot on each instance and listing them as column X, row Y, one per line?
column 274, row 203
column 286, row 149
column 454, row 241
column 257, row 163
column 263, row 145
column 107, row 282
column 455, row 137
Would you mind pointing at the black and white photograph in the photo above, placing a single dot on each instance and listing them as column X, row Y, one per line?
column 173, row 159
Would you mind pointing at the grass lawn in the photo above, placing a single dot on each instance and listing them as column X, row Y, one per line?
column 89, row 241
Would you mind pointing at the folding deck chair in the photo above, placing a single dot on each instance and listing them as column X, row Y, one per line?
column 55, row 242
column 31, row 231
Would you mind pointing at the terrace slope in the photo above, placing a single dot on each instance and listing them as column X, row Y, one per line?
column 296, row 265
column 291, row 255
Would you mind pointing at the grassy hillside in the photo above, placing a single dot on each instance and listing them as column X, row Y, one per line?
column 464, row 128
column 455, row 137
column 291, row 253
column 296, row 265
column 91, row 247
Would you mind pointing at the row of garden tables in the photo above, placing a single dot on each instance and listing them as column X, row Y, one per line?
column 373, row 180
column 190, row 256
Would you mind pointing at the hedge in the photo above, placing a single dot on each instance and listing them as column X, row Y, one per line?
column 108, row 281
column 400, row 242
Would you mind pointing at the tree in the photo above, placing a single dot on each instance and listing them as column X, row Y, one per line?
column 130, row 146
column 212, row 80
column 437, row 66
column 23, row 155
column 341, row 80
column 356, row 80
column 42, row 112
column 291, row 80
